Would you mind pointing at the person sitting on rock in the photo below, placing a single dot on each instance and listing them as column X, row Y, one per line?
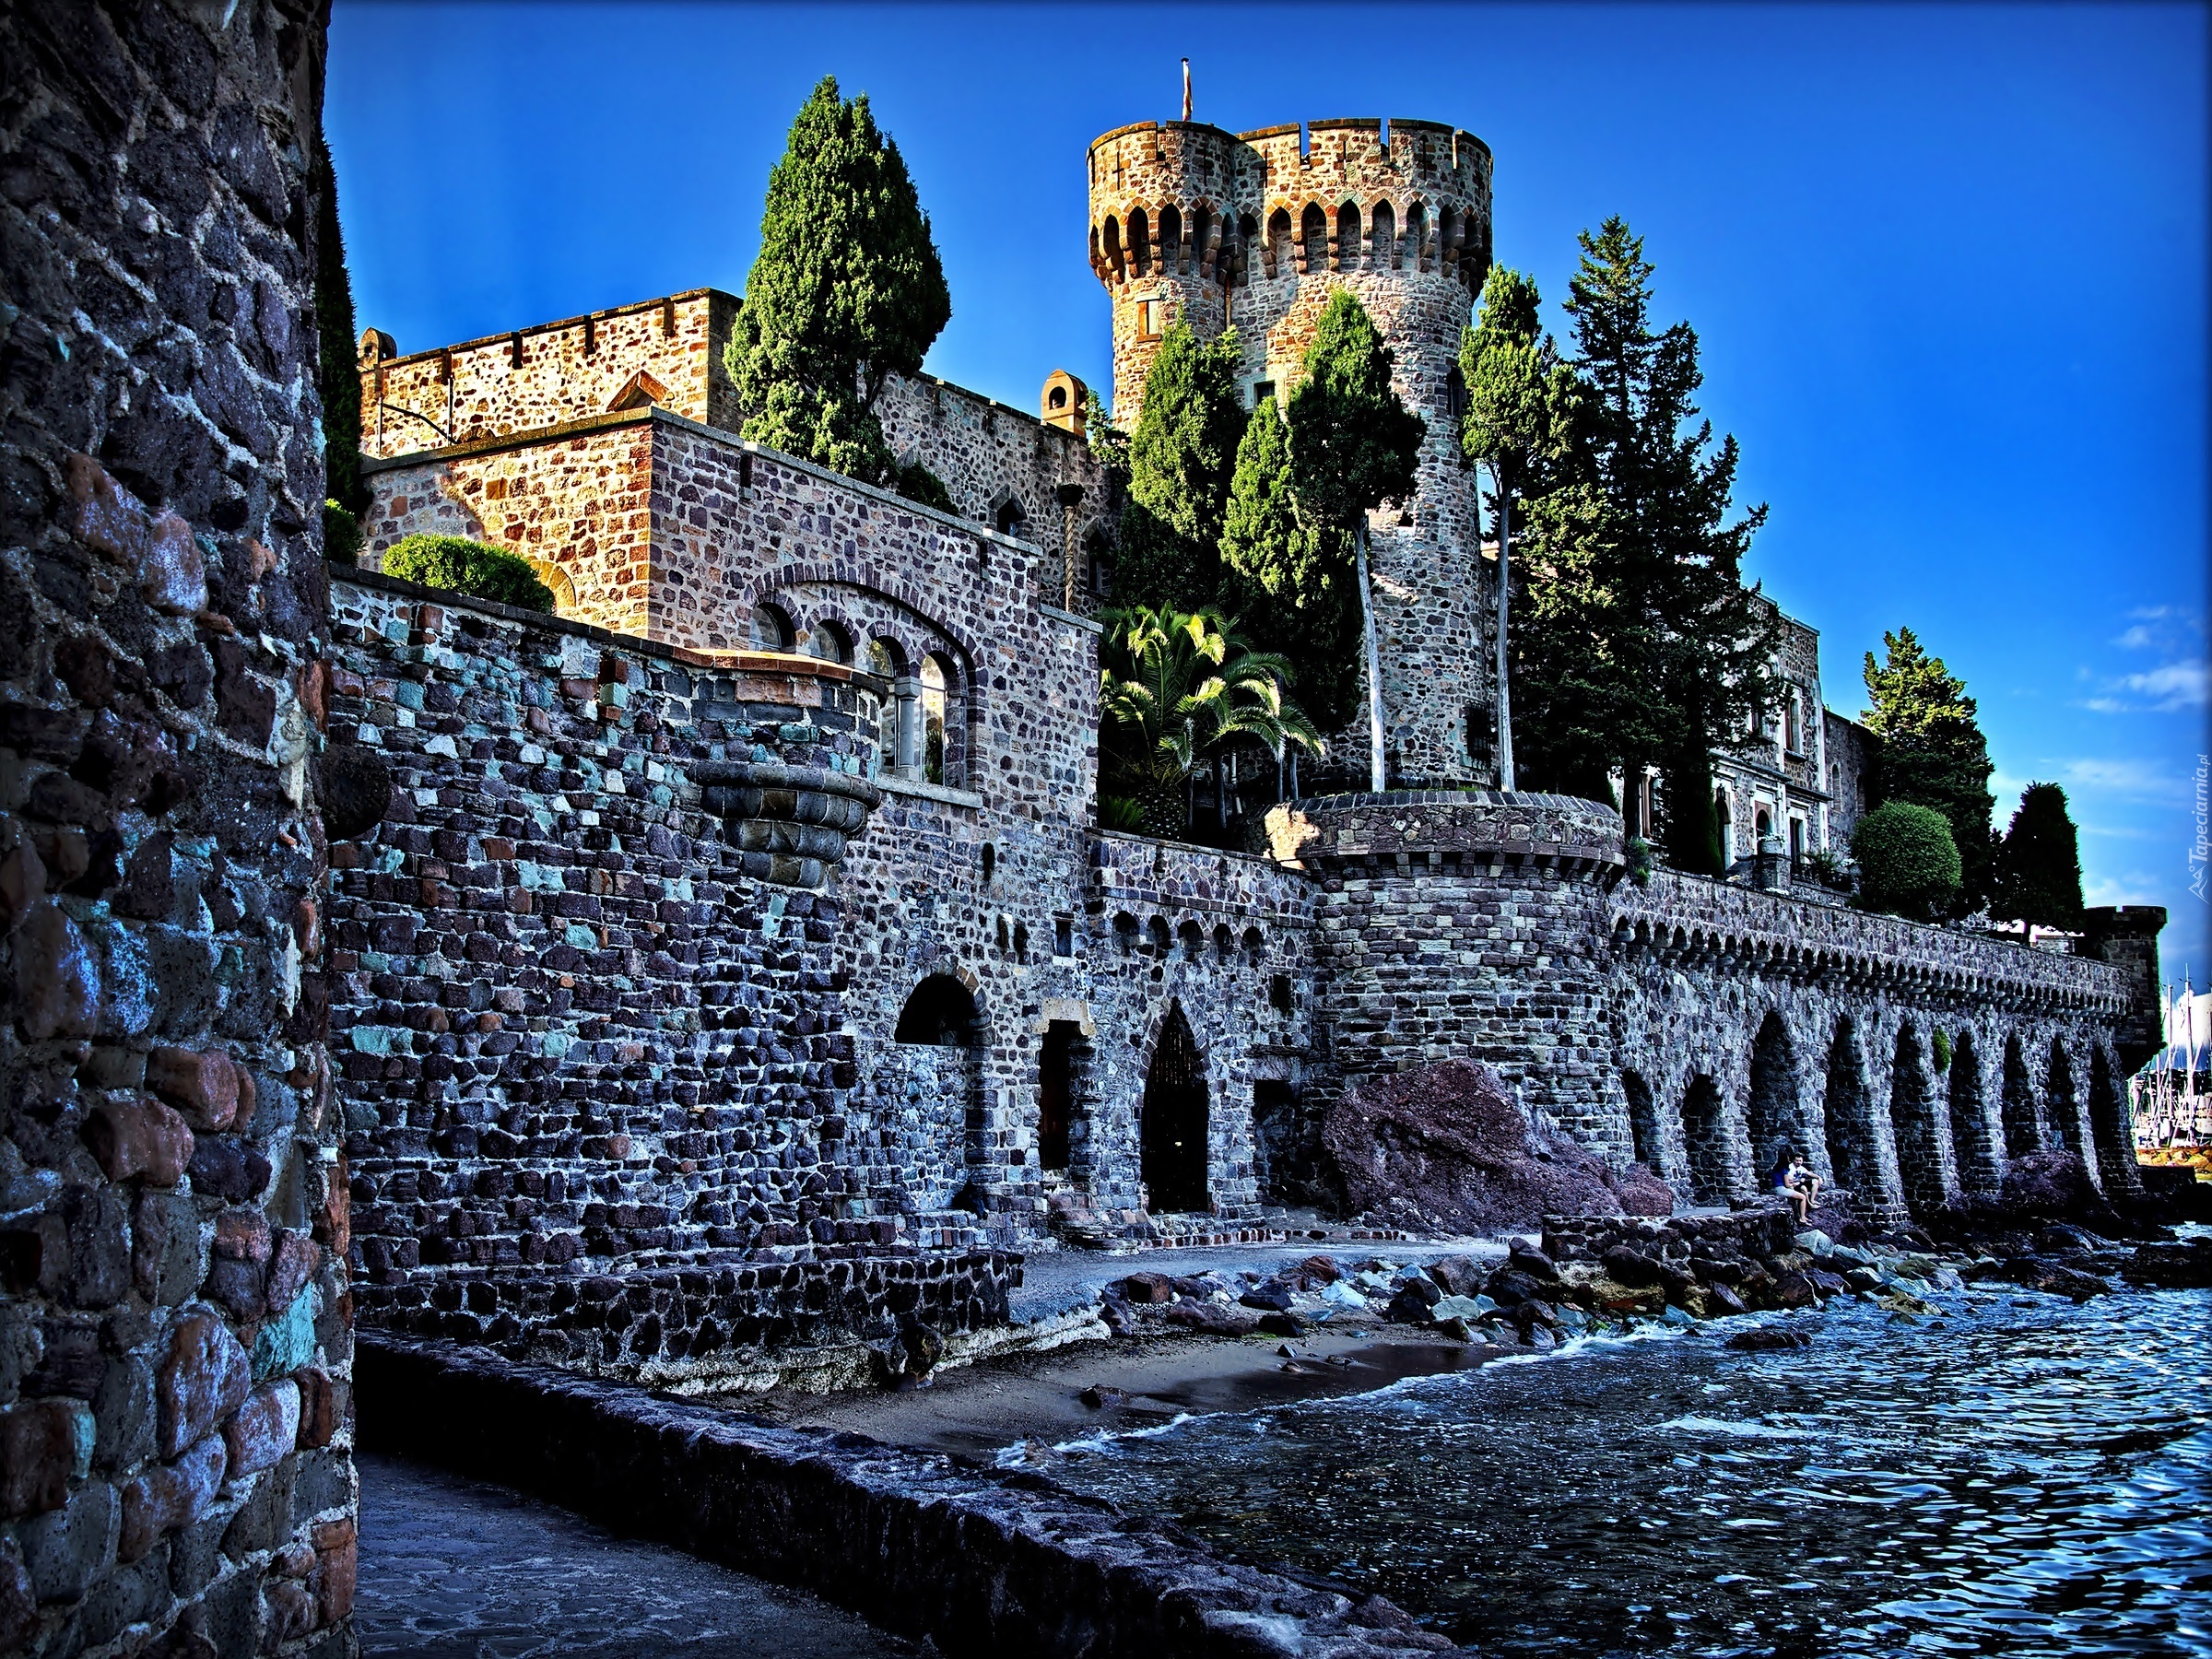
column 1788, row 1186
column 1803, row 1177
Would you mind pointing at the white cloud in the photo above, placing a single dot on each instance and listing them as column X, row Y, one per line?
column 2186, row 684
column 2132, row 780
column 2134, row 888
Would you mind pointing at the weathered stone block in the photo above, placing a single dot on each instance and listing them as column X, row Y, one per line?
column 167, row 1497
column 265, row 1428
column 139, row 1137
column 204, row 1378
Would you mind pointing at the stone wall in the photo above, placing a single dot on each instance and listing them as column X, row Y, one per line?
column 175, row 1337
column 1003, row 467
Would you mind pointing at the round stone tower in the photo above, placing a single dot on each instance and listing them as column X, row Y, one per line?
column 1256, row 230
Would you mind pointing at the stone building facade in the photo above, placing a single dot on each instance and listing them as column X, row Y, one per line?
column 741, row 963
column 175, row 1296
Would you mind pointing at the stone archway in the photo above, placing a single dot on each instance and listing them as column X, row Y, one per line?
column 1912, row 1116
column 2111, row 1132
column 2062, row 1109
column 1705, row 1137
column 1171, row 1127
column 1643, row 1124
column 2023, row 1130
column 1773, row 1112
column 1853, row 1151
column 1971, row 1141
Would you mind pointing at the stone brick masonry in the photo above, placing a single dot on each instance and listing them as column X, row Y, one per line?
column 176, row 1327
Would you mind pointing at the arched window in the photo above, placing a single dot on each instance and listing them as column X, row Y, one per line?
column 1314, row 242
column 1170, row 241
column 940, row 1012
column 1277, row 251
column 1011, row 515
column 1347, row 237
column 1384, row 236
column 1248, row 232
column 1114, row 256
column 771, row 628
column 1140, row 242
column 937, row 706
column 1416, row 237
column 829, row 642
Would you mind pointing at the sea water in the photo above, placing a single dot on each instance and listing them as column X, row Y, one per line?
column 2019, row 1476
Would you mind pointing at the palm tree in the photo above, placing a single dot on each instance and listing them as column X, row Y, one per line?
column 1176, row 690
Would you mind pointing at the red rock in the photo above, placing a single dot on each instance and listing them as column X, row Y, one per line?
column 204, row 1086
column 294, row 1560
column 1148, row 1287
column 109, row 518
column 334, row 1225
column 38, row 1454
column 291, row 1610
column 168, row 1496
column 297, row 1257
column 172, row 570
column 204, row 1378
column 336, row 1546
column 57, row 976
column 139, row 1136
column 318, row 1407
column 265, row 1428
column 243, row 1235
column 1450, row 1140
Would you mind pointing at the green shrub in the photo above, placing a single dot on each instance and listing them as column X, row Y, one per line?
column 1908, row 862
column 917, row 483
column 461, row 566
column 1942, row 1045
column 341, row 534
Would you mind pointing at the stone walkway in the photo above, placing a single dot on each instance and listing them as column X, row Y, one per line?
column 452, row 1568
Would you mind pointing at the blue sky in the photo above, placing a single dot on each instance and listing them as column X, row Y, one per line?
column 1947, row 264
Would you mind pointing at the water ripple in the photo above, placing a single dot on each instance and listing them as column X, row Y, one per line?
column 2022, row 1477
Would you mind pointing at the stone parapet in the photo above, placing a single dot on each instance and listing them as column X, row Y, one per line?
column 1689, row 918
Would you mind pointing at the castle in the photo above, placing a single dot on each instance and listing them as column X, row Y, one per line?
column 682, row 936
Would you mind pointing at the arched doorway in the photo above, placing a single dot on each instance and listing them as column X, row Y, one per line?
column 1172, row 1130
column 937, row 1066
column 1705, row 1136
column 1971, row 1141
column 1850, row 1113
column 1776, row 1119
column 2023, row 1134
column 1913, row 1115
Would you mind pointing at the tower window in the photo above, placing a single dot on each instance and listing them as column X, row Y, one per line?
column 1151, row 319
column 1262, row 392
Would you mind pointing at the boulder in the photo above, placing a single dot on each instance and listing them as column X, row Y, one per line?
column 1457, row 1275
column 1147, row 1288
column 1771, row 1337
column 2171, row 1266
column 1629, row 1266
column 1526, row 1258
column 1269, row 1296
column 1210, row 1319
column 1450, row 1141
column 1720, row 1299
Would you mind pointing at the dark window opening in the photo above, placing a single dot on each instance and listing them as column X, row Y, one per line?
column 1063, row 936
column 1056, row 1092
column 1279, row 994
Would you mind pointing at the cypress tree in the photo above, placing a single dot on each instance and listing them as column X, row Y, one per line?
column 848, row 290
column 1514, row 383
column 1933, row 754
column 1181, row 455
column 1636, row 640
column 1353, row 446
column 1692, row 831
column 338, row 373
column 2039, row 866
column 1291, row 583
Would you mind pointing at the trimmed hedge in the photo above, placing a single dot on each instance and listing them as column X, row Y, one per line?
column 1908, row 862
column 476, row 568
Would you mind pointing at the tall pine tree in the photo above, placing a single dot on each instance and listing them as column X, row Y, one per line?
column 2038, row 865
column 847, row 291
column 1290, row 581
column 1181, row 455
column 1636, row 643
column 338, row 376
column 1933, row 754
column 1353, row 446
